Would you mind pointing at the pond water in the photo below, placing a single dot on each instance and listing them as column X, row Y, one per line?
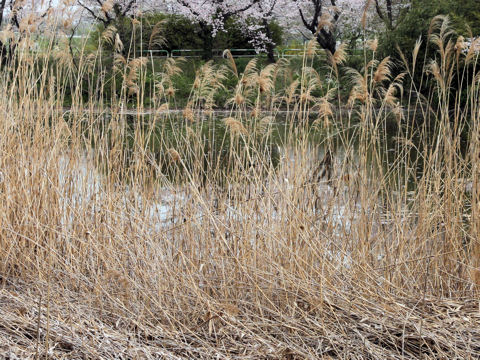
column 208, row 142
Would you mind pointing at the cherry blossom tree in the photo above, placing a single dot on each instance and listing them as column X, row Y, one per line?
column 260, row 31
column 107, row 11
column 323, row 19
column 116, row 16
column 211, row 15
column 331, row 20
column 391, row 12
column 320, row 17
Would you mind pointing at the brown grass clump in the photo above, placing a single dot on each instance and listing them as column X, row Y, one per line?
column 130, row 236
column 235, row 126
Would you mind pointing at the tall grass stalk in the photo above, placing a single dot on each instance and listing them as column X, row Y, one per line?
column 157, row 235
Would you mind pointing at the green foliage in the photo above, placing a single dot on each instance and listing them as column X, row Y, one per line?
column 158, row 31
column 177, row 32
column 464, row 15
column 463, row 19
column 234, row 37
column 414, row 25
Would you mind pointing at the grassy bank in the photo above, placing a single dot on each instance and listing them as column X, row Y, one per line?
column 105, row 65
column 149, row 237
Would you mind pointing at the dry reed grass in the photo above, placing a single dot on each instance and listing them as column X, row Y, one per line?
column 105, row 256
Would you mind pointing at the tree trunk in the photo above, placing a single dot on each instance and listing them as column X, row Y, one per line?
column 327, row 41
column 6, row 53
column 207, row 39
column 3, row 54
column 390, row 13
column 269, row 46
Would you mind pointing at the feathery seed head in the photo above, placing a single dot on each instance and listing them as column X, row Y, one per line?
column 174, row 155
column 372, row 44
column 107, row 6
column 235, row 127
column 188, row 113
column 383, row 70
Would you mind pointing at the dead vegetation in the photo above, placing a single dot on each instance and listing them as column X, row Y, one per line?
column 340, row 325
column 112, row 247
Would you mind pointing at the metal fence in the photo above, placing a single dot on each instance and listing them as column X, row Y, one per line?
column 236, row 53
